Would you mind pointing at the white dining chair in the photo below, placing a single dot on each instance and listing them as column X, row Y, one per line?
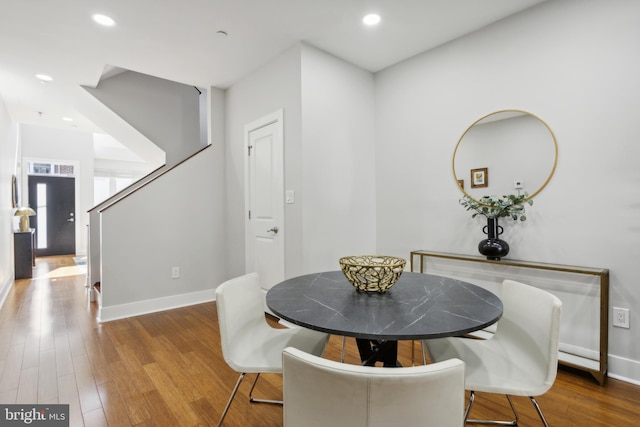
column 319, row 392
column 521, row 359
column 249, row 343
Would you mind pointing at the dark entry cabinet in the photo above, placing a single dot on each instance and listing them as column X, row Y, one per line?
column 24, row 253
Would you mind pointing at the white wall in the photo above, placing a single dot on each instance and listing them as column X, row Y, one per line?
column 127, row 168
column 274, row 86
column 42, row 143
column 575, row 65
column 178, row 220
column 338, row 158
column 8, row 150
column 163, row 225
column 162, row 110
column 329, row 156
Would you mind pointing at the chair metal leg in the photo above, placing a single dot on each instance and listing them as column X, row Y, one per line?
column 425, row 351
column 424, row 357
column 472, row 396
column 233, row 393
column 254, row 400
column 251, row 399
column 535, row 404
column 490, row 422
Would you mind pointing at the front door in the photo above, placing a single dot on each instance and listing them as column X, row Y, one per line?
column 54, row 200
column 265, row 198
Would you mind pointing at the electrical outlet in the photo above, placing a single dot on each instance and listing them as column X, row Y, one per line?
column 175, row 272
column 621, row 317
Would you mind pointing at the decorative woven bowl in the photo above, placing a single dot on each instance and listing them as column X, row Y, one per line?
column 372, row 273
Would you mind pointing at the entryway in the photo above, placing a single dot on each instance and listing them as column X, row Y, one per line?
column 53, row 199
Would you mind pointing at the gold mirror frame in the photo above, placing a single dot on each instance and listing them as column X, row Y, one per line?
column 514, row 111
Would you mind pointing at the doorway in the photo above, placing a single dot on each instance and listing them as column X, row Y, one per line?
column 264, row 198
column 53, row 198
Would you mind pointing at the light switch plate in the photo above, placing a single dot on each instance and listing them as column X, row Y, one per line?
column 290, row 196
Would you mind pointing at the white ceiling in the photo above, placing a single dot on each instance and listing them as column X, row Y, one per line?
column 178, row 40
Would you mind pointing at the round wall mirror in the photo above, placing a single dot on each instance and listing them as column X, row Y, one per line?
column 505, row 152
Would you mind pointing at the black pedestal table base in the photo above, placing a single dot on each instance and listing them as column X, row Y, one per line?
column 372, row 351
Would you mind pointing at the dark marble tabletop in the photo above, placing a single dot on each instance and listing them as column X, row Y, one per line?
column 418, row 306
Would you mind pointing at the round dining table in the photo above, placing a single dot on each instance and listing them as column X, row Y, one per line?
column 419, row 306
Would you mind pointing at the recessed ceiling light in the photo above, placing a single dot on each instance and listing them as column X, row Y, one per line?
column 103, row 20
column 67, row 119
column 44, row 78
column 371, row 19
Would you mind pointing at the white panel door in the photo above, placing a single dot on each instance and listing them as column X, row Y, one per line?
column 265, row 195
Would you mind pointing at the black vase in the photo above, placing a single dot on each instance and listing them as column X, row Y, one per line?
column 493, row 247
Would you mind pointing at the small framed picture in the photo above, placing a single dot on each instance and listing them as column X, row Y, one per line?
column 479, row 178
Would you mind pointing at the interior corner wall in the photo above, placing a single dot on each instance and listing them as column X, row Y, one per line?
column 8, row 150
column 44, row 143
column 274, row 86
column 338, row 158
column 575, row 65
column 329, row 156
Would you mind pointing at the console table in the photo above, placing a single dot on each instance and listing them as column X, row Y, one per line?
column 24, row 253
column 597, row 368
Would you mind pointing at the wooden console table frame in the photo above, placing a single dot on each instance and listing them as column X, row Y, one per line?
column 599, row 374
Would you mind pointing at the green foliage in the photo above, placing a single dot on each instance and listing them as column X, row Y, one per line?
column 510, row 205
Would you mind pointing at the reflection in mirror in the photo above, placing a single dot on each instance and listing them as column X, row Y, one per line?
column 518, row 150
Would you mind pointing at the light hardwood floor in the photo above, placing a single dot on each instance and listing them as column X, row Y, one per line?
column 166, row 369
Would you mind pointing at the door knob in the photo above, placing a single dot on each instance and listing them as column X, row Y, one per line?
column 274, row 229
column 70, row 220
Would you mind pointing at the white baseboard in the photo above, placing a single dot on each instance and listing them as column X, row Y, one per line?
column 6, row 288
column 579, row 351
column 122, row 311
column 624, row 369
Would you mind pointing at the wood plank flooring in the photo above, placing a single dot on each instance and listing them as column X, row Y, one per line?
column 166, row 369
